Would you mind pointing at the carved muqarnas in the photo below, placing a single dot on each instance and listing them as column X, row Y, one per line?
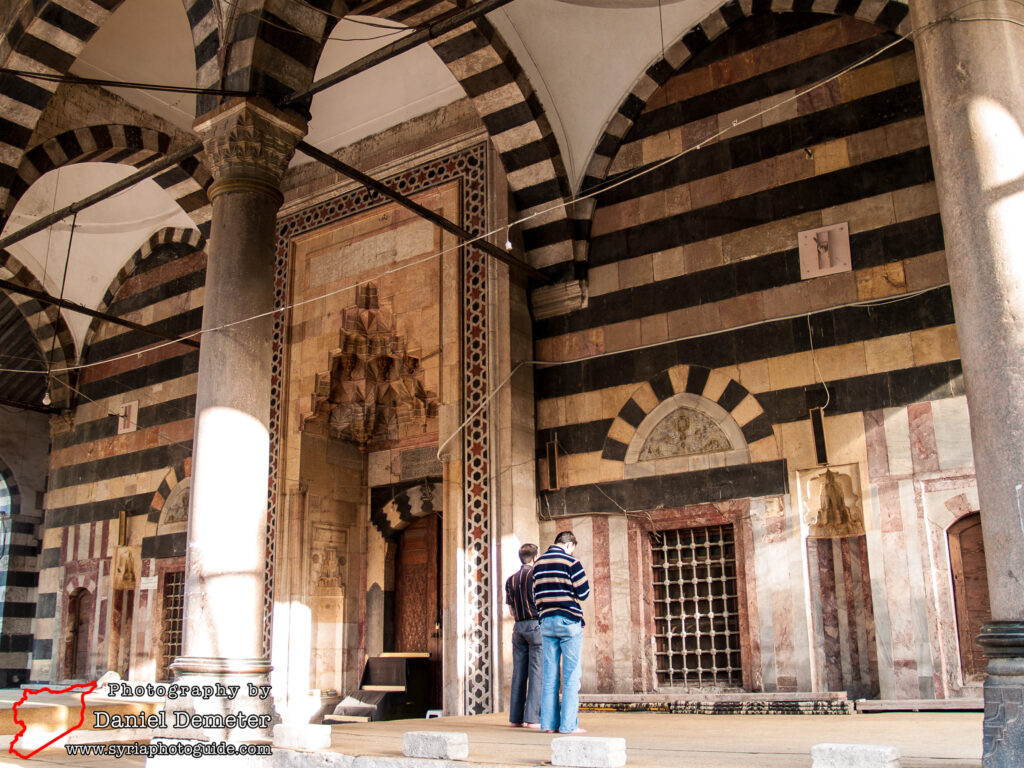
column 373, row 384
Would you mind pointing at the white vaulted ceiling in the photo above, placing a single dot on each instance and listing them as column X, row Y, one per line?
column 581, row 56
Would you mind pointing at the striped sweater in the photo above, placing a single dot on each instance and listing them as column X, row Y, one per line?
column 559, row 584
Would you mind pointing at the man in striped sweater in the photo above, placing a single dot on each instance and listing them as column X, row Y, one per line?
column 559, row 584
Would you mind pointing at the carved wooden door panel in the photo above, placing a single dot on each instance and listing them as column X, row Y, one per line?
column 970, row 591
column 417, row 571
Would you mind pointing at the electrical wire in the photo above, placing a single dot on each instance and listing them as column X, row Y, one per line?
column 79, row 80
column 63, row 283
column 564, row 204
column 598, row 189
column 814, row 362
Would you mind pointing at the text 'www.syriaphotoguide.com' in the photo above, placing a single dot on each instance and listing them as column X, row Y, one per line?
column 162, row 749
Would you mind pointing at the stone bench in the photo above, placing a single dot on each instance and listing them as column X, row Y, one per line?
column 443, row 745
column 588, row 752
column 854, row 756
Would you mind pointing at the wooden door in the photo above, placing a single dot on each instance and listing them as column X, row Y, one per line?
column 417, row 586
column 970, row 591
column 77, row 657
column 418, row 597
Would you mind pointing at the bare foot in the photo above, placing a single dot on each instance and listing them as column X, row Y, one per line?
column 534, row 726
column 570, row 733
column 515, row 725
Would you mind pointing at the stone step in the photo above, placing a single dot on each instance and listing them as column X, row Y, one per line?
column 921, row 705
column 588, row 752
column 437, row 745
column 855, row 756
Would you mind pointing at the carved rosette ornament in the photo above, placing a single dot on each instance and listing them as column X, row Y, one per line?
column 249, row 144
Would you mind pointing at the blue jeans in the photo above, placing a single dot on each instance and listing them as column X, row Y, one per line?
column 563, row 643
column 527, row 672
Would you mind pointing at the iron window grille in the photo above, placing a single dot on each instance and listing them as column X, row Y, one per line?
column 696, row 608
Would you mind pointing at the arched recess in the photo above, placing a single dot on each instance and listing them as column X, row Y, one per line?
column 166, row 236
column 970, row 592
column 50, row 331
column 274, row 51
column 718, row 407
column 48, row 36
column 132, row 145
column 185, row 183
column 79, row 608
column 891, row 15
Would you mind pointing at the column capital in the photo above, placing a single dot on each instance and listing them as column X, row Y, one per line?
column 249, row 143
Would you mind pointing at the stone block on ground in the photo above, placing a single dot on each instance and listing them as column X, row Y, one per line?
column 854, row 756
column 444, row 745
column 588, row 751
column 302, row 736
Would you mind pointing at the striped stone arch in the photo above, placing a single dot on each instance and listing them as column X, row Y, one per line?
column 186, row 182
column 888, row 14
column 272, row 49
column 406, row 507
column 10, row 496
column 45, row 321
column 725, row 400
column 205, row 21
column 162, row 237
column 80, row 581
column 47, row 36
column 180, row 471
column 514, row 118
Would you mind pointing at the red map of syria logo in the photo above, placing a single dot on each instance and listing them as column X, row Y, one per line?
column 85, row 688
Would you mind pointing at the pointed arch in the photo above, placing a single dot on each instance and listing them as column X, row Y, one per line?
column 47, row 36
column 520, row 131
column 162, row 237
column 186, row 183
column 51, row 332
column 891, row 15
column 273, row 49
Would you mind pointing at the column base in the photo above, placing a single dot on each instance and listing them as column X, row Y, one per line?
column 1003, row 642
column 229, row 699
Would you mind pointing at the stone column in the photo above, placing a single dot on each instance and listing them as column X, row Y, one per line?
column 248, row 146
column 974, row 104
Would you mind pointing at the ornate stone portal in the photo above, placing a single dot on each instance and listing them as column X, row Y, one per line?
column 373, row 385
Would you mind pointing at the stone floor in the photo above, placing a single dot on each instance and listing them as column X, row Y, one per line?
column 927, row 740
